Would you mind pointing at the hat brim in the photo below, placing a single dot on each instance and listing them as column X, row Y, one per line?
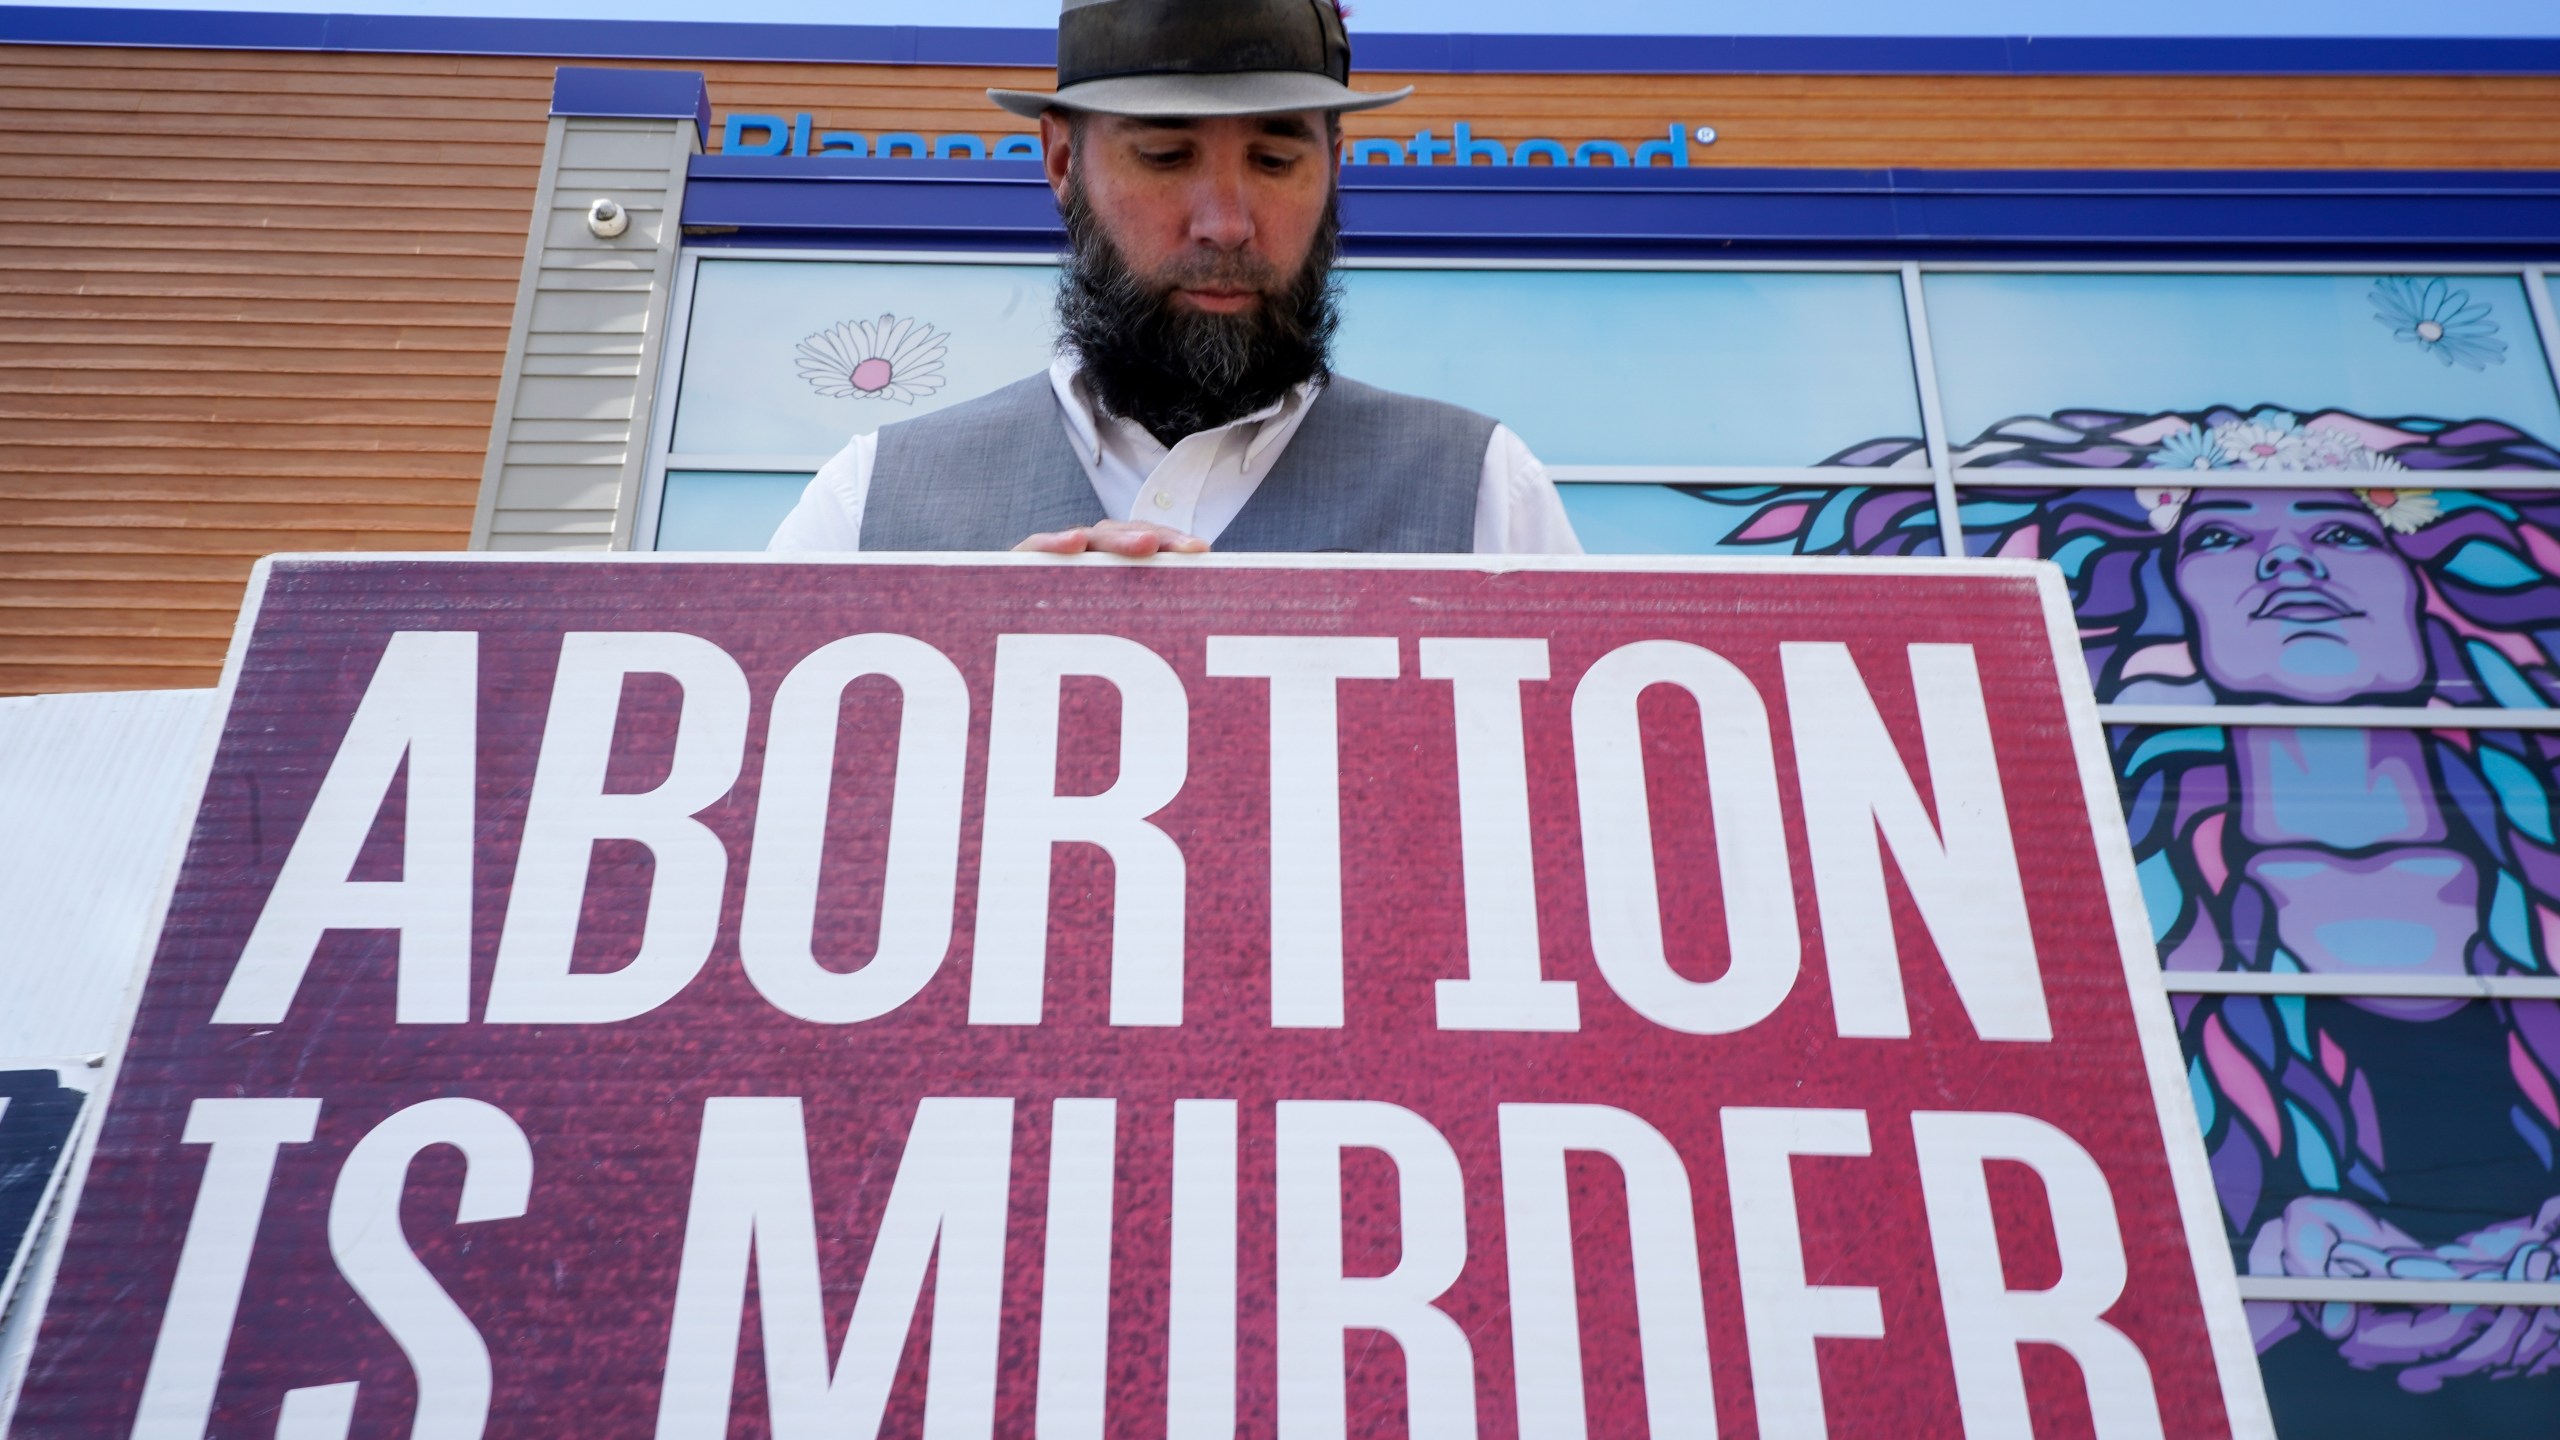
column 1163, row 97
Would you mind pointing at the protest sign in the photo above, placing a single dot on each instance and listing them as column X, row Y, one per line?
column 1197, row 998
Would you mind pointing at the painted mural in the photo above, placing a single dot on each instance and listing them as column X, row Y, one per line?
column 2355, row 1137
column 2349, row 1137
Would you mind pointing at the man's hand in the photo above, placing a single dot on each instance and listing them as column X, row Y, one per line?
column 1134, row 538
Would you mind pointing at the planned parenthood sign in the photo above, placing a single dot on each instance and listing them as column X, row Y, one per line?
column 1080, row 998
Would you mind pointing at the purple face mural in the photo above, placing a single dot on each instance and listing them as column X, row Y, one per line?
column 2298, row 595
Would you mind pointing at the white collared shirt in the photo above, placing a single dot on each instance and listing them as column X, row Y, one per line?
column 1199, row 485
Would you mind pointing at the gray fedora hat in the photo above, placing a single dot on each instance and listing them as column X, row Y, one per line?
column 1167, row 58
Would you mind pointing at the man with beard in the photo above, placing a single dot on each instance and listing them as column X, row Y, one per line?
column 1193, row 147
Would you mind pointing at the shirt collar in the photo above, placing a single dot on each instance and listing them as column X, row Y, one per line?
column 1272, row 423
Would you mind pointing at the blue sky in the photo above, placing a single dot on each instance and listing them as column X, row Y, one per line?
column 1637, row 17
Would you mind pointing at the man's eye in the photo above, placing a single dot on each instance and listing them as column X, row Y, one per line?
column 2345, row 537
column 2212, row 537
column 1162, row 157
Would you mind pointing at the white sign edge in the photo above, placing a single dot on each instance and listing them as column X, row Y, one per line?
column 1830, row 565
column 38, row 1291
column 2235, row 1353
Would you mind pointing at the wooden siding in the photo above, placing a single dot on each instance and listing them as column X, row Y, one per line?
column 2000, row 122
column 257, row 301
column 248, row 302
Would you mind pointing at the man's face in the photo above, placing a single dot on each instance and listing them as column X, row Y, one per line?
column 2298, row 595
column 1220, row 211
column 1198, row 284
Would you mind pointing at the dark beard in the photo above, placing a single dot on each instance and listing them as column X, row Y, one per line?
column 1179, row 371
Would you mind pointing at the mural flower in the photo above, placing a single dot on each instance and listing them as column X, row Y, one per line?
column 2403, row 512
column 2440, row 320
column 2162, row 505
column 2095, row 439
column 2194, row 448
column 2268, row 440
column 884, row 359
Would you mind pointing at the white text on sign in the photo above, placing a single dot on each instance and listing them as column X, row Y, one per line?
column 1960, row 867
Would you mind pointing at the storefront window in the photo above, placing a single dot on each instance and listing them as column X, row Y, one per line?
column 2363, row 373
column 2389, row 380
column 785, row 360
column 795, row 357
column 724, row 509
column 1650, row 367
column 1754, row 519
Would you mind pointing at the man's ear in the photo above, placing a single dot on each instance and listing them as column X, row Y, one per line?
column 1057, row 149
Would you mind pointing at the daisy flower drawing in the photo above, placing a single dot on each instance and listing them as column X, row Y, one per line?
column 2440, row 320
column 2194, row 448
column 884, row 359
column 2274, row 439
column 2268, row 440
column 2404, row 511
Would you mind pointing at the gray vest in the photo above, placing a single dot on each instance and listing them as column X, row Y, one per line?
column 1368, row 469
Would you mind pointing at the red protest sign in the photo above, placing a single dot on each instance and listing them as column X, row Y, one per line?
column 1031, row 997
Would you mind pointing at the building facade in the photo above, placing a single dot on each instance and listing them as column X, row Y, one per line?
column 323, row 283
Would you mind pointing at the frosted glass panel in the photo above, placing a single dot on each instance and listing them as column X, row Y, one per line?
column 724, row 510
column 795, row 357
column 1649, row 367
column 1754, row 519
column 2258, row 372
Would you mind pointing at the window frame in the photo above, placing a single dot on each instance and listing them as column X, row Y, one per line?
column 1941, row 474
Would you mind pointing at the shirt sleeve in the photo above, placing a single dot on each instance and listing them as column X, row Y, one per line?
column 829, row 515
column 1517, row 509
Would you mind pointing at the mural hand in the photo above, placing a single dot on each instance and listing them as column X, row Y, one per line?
column 2426, row 1345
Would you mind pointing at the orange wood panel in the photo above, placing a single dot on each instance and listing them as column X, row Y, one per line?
column 71, row 462
column 248, row 302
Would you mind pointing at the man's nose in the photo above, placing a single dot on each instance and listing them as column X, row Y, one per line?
column 2289, row 556
column 1220, row 216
